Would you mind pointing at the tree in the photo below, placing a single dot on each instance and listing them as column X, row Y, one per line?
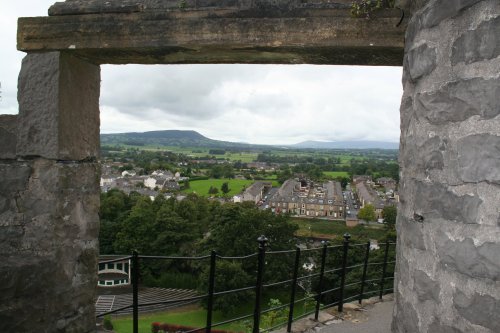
column 390, row 213
column 213, row 190
column 136, row 231
column 225, row 188
column 367, row 213
column 229, row 275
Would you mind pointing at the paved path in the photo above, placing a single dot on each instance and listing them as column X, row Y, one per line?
column 377, row 319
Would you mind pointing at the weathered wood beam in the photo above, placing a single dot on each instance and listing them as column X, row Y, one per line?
column 325, row 36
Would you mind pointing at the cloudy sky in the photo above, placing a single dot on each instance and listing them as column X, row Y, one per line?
column 267, row 104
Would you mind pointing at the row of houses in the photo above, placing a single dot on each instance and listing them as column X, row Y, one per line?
column 306, row 198
column 369, row 192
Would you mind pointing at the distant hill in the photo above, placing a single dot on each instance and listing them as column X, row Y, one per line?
column 194, row 139
column 166, row 138
column 347, row 145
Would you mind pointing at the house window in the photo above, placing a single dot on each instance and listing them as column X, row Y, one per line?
column 102, row 267
column 119, row 266
column 109, row 283
column 126, row 267
column 111, row 266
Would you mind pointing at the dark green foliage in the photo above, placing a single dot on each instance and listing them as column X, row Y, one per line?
column 390, row 214
column 216, row 151
column 367, row 213
column 229, row 275
column 171, row 279
column 225, row 188
column 213, row 190
column 107, row 323
column 222, row 171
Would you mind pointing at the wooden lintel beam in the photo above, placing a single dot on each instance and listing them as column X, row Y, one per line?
column 173, row 38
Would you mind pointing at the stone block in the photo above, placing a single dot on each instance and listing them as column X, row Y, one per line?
column 14, row 178
column 51, row 268
column 478, row 44
column 437, row 327
column 405, row 317
column 421, row 61
column 469, row 259
column 58, row 107
column 425, row 156
column 426, row 288
column 61, row 205
column 459, row 100
column 479, row 158
column 412, row 233
column 435, row 201
column 8, row 136
column 479, row 309
column 441, row 10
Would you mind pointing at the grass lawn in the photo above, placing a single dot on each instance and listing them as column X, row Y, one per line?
column 195, row 316
column 335, row 174
column 336, row 229
column 201, row 187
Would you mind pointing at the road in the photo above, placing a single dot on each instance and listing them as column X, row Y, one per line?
column 350, row 202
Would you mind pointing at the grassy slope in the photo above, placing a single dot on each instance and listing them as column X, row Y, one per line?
column 195, row 316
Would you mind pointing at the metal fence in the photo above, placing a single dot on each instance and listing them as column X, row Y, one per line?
column 380, row 282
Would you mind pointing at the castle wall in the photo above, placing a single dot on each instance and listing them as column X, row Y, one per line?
column 49, row 198
column 448, row 267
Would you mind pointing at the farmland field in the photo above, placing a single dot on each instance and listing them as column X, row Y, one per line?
column 334, row 174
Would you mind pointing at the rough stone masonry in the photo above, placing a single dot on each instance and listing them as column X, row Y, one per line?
column 49, row 198
column 448, row 266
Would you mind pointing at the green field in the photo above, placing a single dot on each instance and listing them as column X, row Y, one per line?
column 201, row 187
column 335, row 174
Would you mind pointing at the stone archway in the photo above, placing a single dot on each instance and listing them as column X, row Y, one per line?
column 449, row 225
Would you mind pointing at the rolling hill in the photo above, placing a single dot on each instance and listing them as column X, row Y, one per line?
column 179, row 138
column 167, row 138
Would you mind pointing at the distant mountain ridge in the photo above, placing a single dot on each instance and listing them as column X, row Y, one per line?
column 190, row 138
column 347, row 145
column 179, row 138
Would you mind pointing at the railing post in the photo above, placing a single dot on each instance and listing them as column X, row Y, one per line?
column 135, row 292
column 342, row 277
column 294, row 289
column 384, row 269
column 365, row 268
column 211, row 287
column 321, row 274
column 258, row 286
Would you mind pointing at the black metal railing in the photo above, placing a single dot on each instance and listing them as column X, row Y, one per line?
column 347, row 289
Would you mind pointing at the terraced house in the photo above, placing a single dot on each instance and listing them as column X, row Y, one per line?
column 305, row 198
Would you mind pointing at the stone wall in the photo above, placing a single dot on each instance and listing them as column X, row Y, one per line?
column 448, row 266
column 49, row 198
